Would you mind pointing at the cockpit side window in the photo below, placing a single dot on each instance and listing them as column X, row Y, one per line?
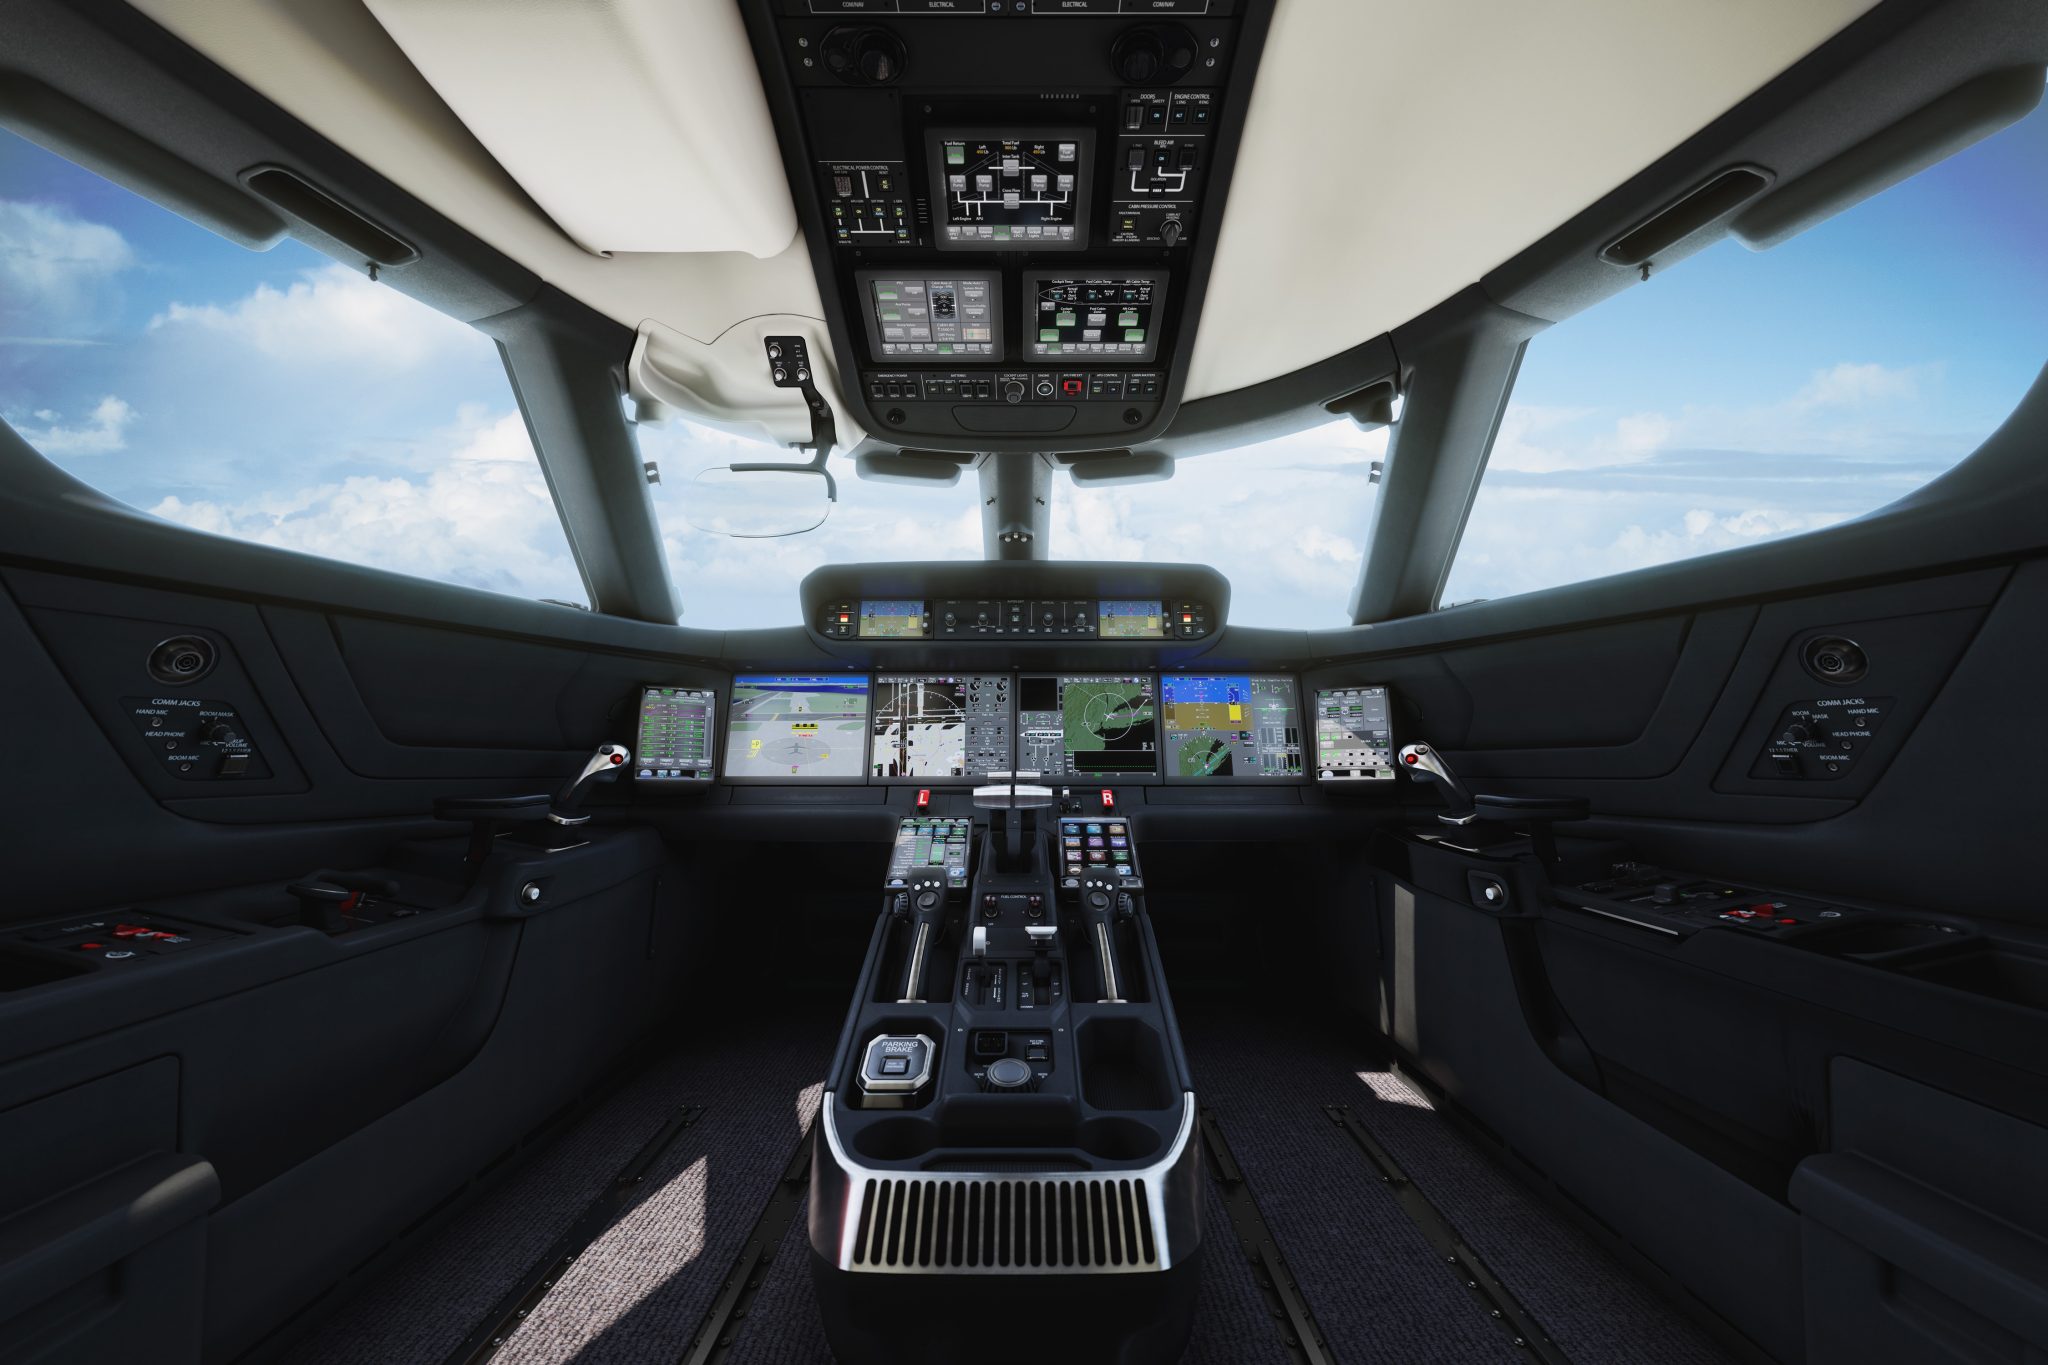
column 1746, row 395
column 278, row 397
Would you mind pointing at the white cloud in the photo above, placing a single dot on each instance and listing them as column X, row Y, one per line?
column 329, row 317
column 102, row 433
column 1850, row 384
column 57, row 269
column 482, row 517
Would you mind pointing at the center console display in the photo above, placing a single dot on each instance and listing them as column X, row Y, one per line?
column 1011, row 189
column 932, row 728
column 675, row 735
column 792, row 727
column 1109, row 317
column 1087, row 726
column 940, row 316
column 1230, row 726
column 1131, row 620
column 1354, row 737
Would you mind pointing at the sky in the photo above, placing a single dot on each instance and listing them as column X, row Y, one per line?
column 282, row 398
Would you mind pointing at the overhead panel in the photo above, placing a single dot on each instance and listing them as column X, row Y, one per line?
column 636, row 125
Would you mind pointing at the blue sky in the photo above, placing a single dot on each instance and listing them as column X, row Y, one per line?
column 286, row 399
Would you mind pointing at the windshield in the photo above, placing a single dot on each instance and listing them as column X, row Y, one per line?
column 1283, row 520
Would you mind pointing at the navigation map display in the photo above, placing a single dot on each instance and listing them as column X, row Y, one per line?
column 937, row 727
column 1012, row 189
column 1354, row 737
column 1087, row 726
column 675, row 735
column 794, row 727
column 1230, row 726
column 1131, row 620
column 1113, row 317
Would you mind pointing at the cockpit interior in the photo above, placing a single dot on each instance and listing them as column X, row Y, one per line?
column 923, row 682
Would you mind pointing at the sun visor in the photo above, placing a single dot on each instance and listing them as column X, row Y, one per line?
column 636, row 125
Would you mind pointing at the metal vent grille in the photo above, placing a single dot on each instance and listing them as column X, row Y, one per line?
column 1047, row 1225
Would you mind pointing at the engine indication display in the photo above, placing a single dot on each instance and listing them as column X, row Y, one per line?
column 893, row 620
column 952, row 316
column 1354, row 735
column 1131, row 620
column 675, row 735
column 1089, row 726
column 1110, row 317
column 1230, row 726
column 792, row 727
column 1012, row 189
column 931, row 728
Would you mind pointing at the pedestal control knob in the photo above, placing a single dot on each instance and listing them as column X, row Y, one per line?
column 927, row 900
column 1098, row 900
column 1008, row 1074
column 1162, row 54
column 218, row 732
column 1169, row 231
column 1795, row 734
column 1013, row 391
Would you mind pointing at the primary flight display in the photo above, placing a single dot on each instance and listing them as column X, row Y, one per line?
column 794, row 727
column 1230, row 726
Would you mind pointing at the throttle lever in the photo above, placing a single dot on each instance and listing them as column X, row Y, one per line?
column 1425, row 764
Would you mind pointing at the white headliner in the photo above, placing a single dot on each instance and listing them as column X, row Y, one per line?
column 1396, row 152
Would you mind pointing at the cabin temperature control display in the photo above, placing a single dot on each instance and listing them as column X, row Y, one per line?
column 956, row 316
column 1229, row 726
column 675, row 735
column 1108, row 317
column 1354, row 736
column 1011, row 190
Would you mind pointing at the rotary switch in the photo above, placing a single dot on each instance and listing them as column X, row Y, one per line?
column 1008, row 1074
column 1154, row 55
column 863, row 56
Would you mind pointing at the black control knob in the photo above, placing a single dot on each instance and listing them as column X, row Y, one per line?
column 1098, row 900
column 927, row 900
column 217, row 732
column 1008, row 1074
column 1169, row 231
column 863, row 56
column 1157, row 54
column 1013, row 391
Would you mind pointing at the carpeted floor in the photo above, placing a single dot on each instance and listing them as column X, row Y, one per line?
column 1377, row 1290
column 1374, row 1285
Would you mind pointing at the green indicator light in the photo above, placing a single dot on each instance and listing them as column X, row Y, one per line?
column 1048, row 334
column 1066, row 319
column 956, row 156
column 1135, row 334
column 1127, row 318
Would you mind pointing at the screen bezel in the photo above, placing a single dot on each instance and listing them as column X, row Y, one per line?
column 1315, row 772
column 969, row 780
column 1082, row 135
column 1027, row 327
column 1174, row 779
column 1083, row 779
column 855, row 779
column 873, row 327
column 675, row 784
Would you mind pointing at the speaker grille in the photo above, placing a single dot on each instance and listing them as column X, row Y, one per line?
column 1044, row 1225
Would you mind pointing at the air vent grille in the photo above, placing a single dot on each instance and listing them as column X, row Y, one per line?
column 1049, row 1225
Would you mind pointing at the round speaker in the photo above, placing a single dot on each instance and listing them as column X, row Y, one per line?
column 1833, row 659
column 182, row 659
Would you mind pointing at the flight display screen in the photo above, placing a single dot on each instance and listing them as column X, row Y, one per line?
column 931, row 727
column 1093, row 726
column 957, row 315
column 1131, row 620
column 1012, row 190
column 1354, row 735
column 892, row 620
column 675, row 735
column 795, row 727
column 1230, row 726
column 1106, row 317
